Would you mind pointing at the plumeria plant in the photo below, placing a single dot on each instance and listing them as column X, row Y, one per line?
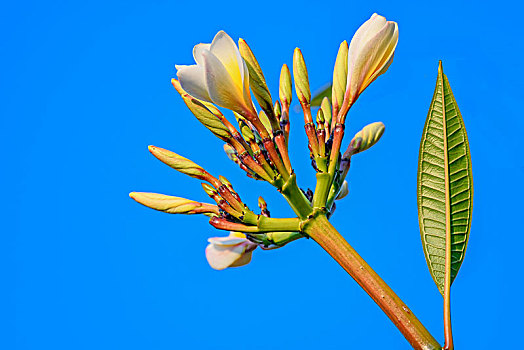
column 226, row 76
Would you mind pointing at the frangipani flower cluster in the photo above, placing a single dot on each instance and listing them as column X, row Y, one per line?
column 224, row 76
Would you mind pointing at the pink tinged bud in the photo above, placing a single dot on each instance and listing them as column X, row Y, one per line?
column 370, row 53
column 232, row 251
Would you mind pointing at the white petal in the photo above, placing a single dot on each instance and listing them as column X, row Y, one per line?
column 226, row 241
column 197, row 52
column 192, row 80
column 244, row 260
column 361, row 37
column 222, row 89
column 222, row 257
column 225, row 49
column 368, row 59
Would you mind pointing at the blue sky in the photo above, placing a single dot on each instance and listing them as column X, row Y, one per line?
column 85, row 87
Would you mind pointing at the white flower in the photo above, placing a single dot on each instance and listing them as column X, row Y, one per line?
column 220, row 75
column 370, row 54
column 232, row 251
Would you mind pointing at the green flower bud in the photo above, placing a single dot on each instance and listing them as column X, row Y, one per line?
column 285, row 93
column 301, row 78
column 173, row 205
column 256, row 77
column 366, row 137
column 326, row 109
column 179, row 163
column 340, row 74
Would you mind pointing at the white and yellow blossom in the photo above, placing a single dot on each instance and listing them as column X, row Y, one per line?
column 219, row 76
column 232, row 251
column 370, row 54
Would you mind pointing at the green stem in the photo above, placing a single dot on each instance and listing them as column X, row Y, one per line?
column 296, row 198
column 266, row 224
column 332, row 242
column 321, row 190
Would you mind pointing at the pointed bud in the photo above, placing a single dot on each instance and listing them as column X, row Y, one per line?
column 277, row 110
column 203, row 114
column 344, row 190
column 256, row 77
column 173, row 205
column 210, row 191
column 301, row 78
column 370, row 54
column 285, row 93
column 177, row 162
column 366, row 137
column 326, row 109
column 225, row 181
column 340, row 74
column 265, row 121
column 262, row 203
column 246, row 131
column 320, row 118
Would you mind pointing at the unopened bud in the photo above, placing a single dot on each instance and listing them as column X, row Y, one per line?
column 256, row 77
column 326, row 109
column 265, row 121
column 179, row 163
column 262, row 203
column 210, row 190
column 301, row 78
column 366, row 137
column 340, row 74
column 172, row 205
column 225, row 181
column 246, row 131
column 284, row 91
column 277, row 110
column 205, row 112
column 320, row 118
column 344, row 190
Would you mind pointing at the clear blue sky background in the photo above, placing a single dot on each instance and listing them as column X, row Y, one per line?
column 85, row 87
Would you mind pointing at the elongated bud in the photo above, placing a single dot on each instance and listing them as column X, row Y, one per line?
column 285, row 93
column 177, row 162
column 246, row 131
column 370, row 54
column 181, row 91
column 301, row 78
column 256, row 77
column 173, row 205
column 265, row 121
column 340, row 73
column 262, row 203
column 205, row 113
column 366, row 137
column 320, row 119
column 210, row 191
column 277, row 110
column 344, row 190
column 326, row 110
column 225, row 181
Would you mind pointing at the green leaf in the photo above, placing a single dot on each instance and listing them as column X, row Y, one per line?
column 319, row 95
column 445, row 186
